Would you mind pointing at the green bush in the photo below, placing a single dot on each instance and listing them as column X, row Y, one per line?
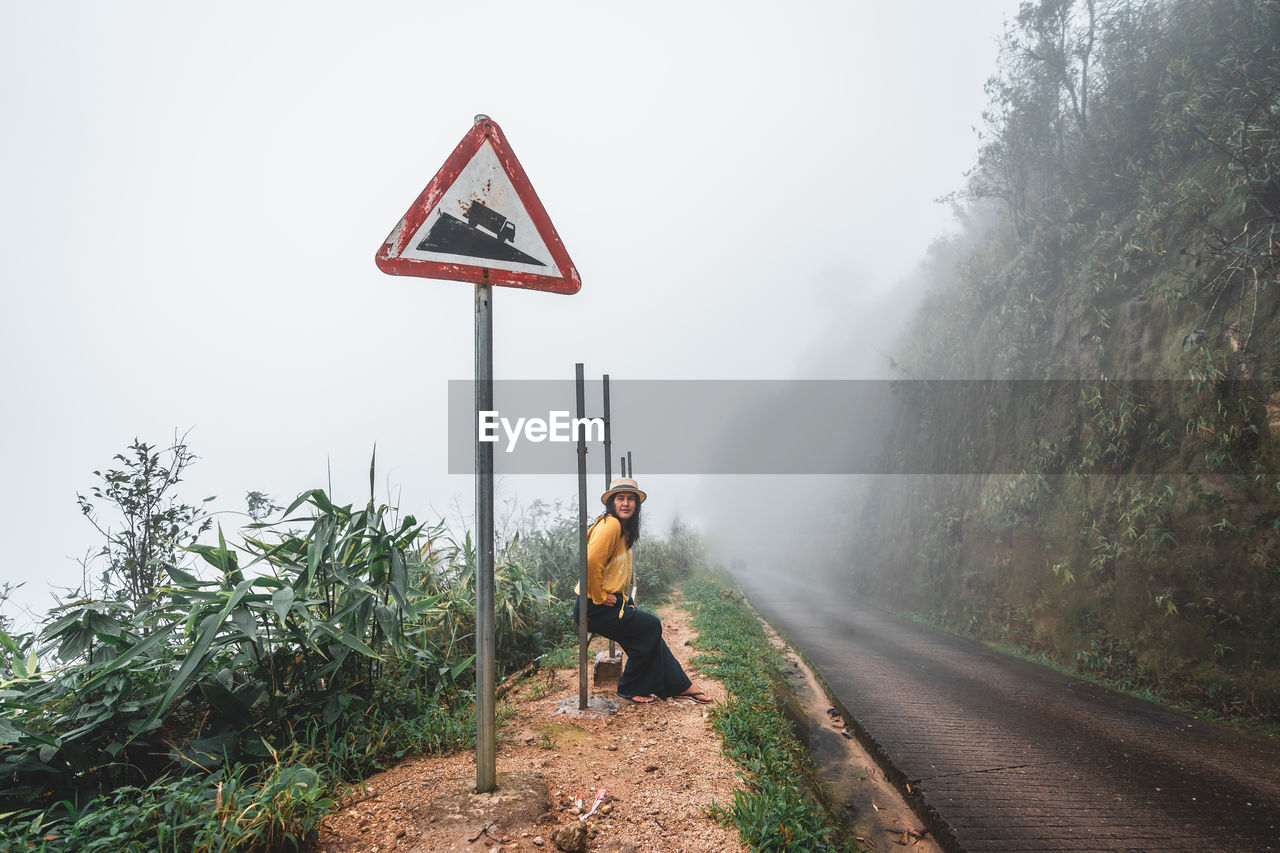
column 342, row 637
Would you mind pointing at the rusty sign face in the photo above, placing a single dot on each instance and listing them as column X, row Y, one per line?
column 480, row 221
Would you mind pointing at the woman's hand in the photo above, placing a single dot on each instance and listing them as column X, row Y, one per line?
column 610, row 599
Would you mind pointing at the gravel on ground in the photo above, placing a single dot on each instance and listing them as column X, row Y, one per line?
column 654, row 769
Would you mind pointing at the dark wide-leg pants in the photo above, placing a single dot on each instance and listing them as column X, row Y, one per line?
column 650, row 667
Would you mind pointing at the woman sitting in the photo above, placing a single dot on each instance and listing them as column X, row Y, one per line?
column 651, row 672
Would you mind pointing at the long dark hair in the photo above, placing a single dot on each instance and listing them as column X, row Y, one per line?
column 630, row 526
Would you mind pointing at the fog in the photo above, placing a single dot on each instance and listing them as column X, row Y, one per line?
column 194, row 196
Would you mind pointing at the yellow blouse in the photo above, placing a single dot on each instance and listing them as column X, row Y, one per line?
column 608, row 560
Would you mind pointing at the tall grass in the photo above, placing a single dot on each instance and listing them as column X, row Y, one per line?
column 325, row 644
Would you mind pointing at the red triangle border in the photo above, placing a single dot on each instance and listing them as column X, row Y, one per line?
column 388, row 257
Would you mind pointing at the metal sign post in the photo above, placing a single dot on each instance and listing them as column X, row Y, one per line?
column 583, row 597
column 480, row 221
column 486, row 736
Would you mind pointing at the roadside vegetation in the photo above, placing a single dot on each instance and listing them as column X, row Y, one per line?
column 219, row 695
column 1093, row 425
column 222, row 695
column 775, row 811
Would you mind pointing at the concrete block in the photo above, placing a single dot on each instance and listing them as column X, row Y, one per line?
column 606, row 669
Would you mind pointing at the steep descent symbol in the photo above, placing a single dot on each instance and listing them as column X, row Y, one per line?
column 485, row 234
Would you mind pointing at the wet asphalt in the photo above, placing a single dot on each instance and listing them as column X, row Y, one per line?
column 1005, row 755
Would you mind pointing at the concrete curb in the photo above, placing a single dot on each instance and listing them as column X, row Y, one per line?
column 910, row 791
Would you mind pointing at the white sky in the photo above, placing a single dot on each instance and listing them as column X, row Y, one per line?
column 193, row 195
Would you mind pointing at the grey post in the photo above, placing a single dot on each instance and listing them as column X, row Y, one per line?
column 486, row 766
column 608, row 459
column 608, row 437
column 583, row 598
column 631, row 472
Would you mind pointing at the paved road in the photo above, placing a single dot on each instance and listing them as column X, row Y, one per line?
column 1012, row 756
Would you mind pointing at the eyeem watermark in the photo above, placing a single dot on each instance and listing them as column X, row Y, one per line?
column 766, row 427
column 557, row 427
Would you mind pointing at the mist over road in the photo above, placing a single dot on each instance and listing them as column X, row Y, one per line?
column 1014, row 756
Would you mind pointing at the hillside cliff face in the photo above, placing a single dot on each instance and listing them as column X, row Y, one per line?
column 1109, row 493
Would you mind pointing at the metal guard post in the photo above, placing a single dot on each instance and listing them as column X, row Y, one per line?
column 583, row 598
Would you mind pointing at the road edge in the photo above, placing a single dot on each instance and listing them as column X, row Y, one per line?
column 910, row 792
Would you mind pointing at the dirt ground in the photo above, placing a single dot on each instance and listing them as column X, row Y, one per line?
column 653, row 769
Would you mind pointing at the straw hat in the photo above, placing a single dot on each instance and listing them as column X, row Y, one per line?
column 622, row 484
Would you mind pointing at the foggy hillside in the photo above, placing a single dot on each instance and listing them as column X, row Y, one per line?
column 1107, row 495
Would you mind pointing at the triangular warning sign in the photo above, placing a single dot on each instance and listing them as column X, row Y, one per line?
column 479, row 220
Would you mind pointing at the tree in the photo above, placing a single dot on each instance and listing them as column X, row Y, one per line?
column 260, row 505
column 154, row 527
column 1039, row 105
column 1058, row 49
column 6, row 590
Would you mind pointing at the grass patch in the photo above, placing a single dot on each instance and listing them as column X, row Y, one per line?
column 774, row 812
column 564, row 657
